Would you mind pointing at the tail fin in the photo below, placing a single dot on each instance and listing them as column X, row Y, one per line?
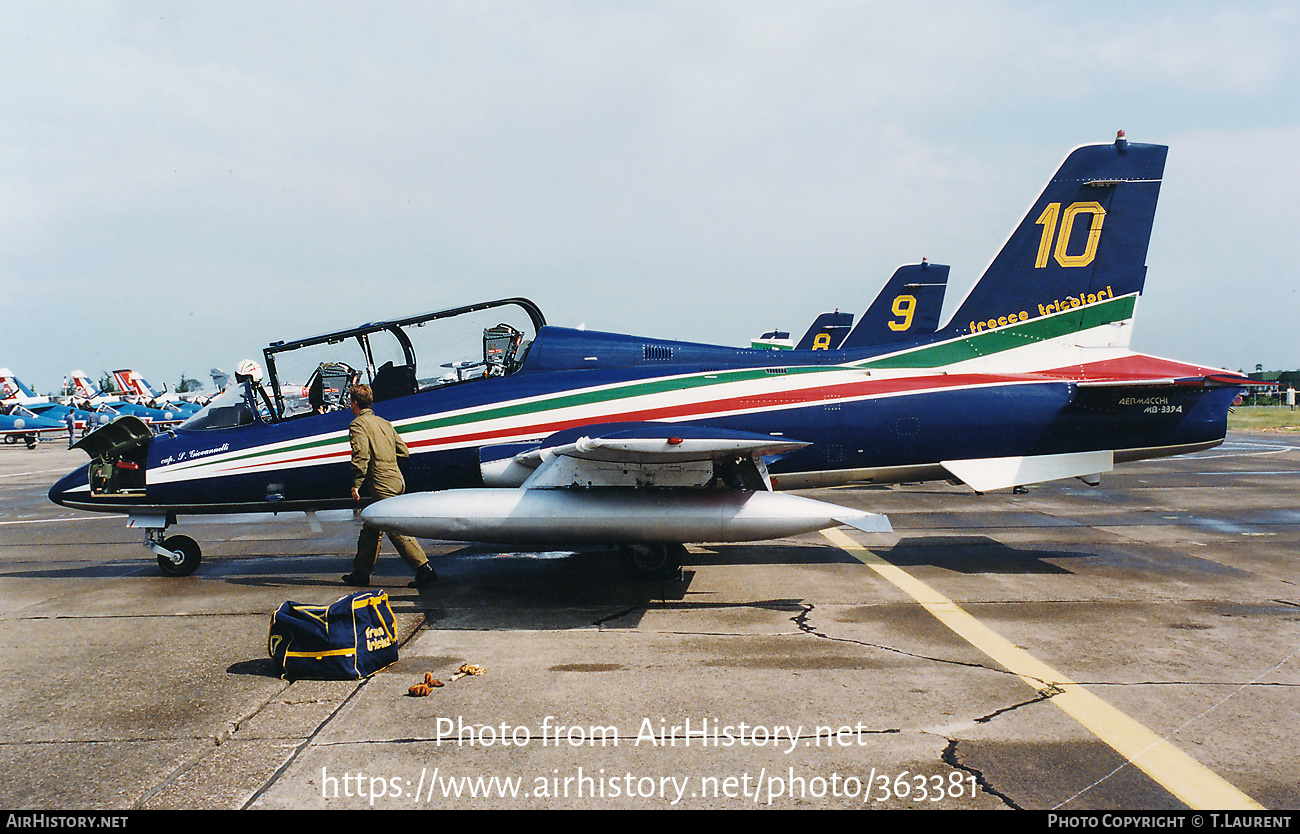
column 131, row 383
column 1082, row 244
column 906, row 309
column 827, row 331
column 773, row 340
column 13, row 388
column 82, row 385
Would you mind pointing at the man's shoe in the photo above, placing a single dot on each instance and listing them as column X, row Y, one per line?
column 426, row 575
column 357, row 579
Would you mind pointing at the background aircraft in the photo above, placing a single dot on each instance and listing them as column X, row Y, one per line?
column 12, row 390
column 907, row 308
column 113, row 405
column 19, row 424
column 220, row 379
column 134, row 388
column 827, row 332
column 16, row 392
column 773, row 340
column 569, row 436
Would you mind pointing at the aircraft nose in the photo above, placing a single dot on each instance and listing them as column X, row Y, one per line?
column 67, row 487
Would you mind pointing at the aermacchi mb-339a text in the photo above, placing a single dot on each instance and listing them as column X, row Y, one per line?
column 530, row 434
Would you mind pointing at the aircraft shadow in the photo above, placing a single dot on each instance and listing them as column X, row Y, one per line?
column 477, row 586
column 962, row 554
column 975, row 554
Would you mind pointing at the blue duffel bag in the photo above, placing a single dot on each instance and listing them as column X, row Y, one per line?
column 348, row 640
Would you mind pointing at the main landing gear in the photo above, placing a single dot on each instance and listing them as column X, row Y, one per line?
column 654, row 561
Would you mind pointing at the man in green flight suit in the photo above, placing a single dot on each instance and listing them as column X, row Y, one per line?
column 376, row 448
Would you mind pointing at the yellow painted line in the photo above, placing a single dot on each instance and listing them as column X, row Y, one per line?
column 1193, row 783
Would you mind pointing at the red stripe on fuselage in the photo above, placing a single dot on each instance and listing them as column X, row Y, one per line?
column 777, row 399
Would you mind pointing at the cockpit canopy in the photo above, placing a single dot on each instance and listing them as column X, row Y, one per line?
column 395, row 358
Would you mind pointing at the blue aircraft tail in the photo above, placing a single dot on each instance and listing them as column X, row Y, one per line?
column 907, row 308
column 827, row 332
column 1083, row 242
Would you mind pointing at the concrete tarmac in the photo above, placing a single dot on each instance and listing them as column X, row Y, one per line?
column 1129, row 646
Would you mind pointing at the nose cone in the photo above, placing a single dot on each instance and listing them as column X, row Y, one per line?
column 71, row 487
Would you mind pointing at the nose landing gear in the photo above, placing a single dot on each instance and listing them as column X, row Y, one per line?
column 177, row 555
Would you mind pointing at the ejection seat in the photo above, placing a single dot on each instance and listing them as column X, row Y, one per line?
column 392, row 381
column 328, row 388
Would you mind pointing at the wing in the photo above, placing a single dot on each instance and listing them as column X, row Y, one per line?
column 647, row 455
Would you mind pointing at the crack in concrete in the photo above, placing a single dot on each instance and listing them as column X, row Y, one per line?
column 1045, row 692
column 801, row 622
column 951, row 759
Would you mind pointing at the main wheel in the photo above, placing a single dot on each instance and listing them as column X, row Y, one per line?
column 189, row 553
column 653, row 561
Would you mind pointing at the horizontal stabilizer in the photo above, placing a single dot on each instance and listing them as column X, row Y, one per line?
column 1208, row 381
column 988, row 474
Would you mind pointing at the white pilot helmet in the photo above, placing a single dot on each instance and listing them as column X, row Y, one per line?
column 249, row 368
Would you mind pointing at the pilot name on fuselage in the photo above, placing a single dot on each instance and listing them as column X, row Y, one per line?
column 193, row 453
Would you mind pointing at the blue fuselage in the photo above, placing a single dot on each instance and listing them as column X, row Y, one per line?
column 861, row 428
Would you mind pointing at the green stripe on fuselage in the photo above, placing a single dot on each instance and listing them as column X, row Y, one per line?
column 989, row 342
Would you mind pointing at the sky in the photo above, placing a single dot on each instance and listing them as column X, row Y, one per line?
column 183, row 183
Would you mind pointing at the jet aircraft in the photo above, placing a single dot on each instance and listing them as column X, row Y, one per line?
column 14, row 392
column 906, row 309
column 114, row 404
column 773, row 340
column 521, row 432
column 136, row 389
column 826, row 332
column 20, row 423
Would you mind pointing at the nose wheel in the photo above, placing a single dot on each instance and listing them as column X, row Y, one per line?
column 177, row 555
